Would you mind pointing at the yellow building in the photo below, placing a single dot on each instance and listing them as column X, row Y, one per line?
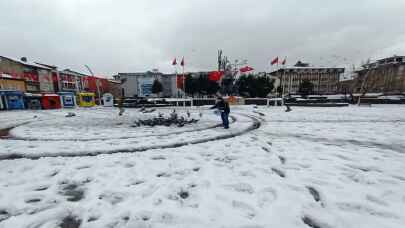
column 86, row 99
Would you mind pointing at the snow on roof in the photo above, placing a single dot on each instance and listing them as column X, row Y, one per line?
column 311, row 67
column 27, row 63
column 5, row 76
column 307, row 68
column 69, row 71
column 114, row 81
column 9, row 77
column 392, row 97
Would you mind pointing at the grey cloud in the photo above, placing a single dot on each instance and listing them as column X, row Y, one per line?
column 117, row 36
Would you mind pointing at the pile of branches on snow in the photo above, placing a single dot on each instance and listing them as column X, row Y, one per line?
column 163, row 121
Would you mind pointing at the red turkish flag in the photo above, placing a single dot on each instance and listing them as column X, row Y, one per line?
column 174, row 62
column 274, row 61
column 182, row 62
column 245, row 69
column 215, row 75
column 284, row 61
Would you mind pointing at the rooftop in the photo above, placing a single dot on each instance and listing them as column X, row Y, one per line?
column 27, row 63
column 308, row 69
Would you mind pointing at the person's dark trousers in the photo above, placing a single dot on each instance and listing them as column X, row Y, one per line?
column 225, row 121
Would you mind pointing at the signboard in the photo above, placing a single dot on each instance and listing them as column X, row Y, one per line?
column 145, row 87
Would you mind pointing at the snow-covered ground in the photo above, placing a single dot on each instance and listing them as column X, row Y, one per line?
column 319, row 167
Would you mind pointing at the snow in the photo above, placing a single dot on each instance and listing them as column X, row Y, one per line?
column 332, row 167
column 3, row 75
column 392, row 97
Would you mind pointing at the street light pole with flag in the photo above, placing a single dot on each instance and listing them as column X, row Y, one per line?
column 184, row 77
column 174, row 64
column 283, row 79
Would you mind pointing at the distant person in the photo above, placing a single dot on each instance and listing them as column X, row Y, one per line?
column 288, row 108
column 121, row 106
column 223, row 108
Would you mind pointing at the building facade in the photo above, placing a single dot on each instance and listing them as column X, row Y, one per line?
column 140, row 84
column 71, row 81
column 38, row 77
column 115, row 88
column 9, row 83
column 324, row 79
column 169, row 82
column 385, row 76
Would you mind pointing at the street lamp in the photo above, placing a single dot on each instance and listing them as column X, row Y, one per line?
column 97, row 84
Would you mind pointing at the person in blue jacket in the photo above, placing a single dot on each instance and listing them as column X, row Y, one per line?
column 223, row 107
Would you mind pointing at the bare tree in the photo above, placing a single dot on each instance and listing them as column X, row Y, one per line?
column 368, row 81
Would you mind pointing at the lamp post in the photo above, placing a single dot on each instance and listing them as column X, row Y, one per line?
column 97, row 84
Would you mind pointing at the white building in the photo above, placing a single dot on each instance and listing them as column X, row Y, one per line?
column 140, row 84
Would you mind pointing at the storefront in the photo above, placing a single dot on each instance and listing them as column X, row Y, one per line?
column 33, row 101
column 86, row 99
column 108, row 100
column 12, row 99
column 51, row 101
column 67, row 99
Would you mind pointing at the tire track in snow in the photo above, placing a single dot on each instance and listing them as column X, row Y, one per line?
column 233, row 120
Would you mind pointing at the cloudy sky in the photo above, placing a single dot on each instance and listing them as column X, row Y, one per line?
column 137, row 35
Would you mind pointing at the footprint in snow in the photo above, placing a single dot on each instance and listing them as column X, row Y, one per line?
column 92, row 218
column 266, row 196
column 54, row 173
column 247, row 173
column 33, row 200
column 83, row 167
column 311, row 222
column 159, row 157
column 70, row 222
column 128, row 165
column 112, row 197
column 241, row 187
column 143, row 215
column 163, row 174
column 278, row 172
column 41, row 188
column 246, row 208
column 166, row 218
column 282, row 159
column 73, row 192
column 266, row 149
column 363, row 209
column 315, row 194
column 376, row 200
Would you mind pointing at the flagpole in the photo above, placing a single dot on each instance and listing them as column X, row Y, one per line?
column 174, row 64
column 283, row 85
column 177, row 88
column 184, row 80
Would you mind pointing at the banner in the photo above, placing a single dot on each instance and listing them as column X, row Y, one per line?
column 179, row 81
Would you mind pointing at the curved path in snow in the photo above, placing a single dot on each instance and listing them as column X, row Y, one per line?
column 36, row 148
